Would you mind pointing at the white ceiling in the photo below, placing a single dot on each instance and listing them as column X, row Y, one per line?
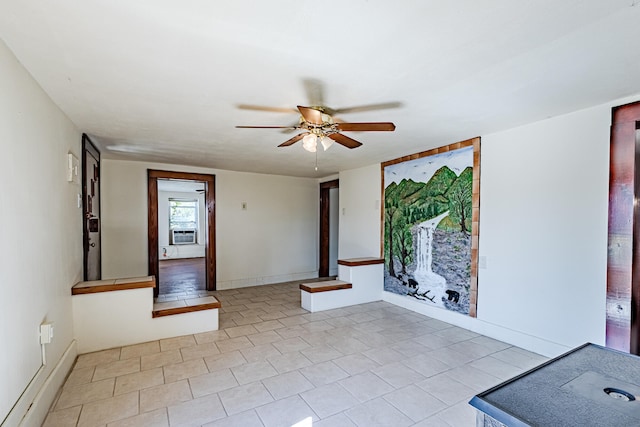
column 160, row 80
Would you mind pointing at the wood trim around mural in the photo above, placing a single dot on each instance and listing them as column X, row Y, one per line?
column 475, row 207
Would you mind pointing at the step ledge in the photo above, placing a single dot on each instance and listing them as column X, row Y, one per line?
column 327, row 286
column 187, row 309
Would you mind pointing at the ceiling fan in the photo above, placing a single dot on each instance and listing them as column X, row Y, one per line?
column 318, row 125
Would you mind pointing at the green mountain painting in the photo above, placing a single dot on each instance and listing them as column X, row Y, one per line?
column 427, row 228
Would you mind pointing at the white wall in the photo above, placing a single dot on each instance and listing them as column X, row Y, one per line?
column 180, row 251
column 274, row 239
column 360, row 213
column 41, row 229
column 543, row 231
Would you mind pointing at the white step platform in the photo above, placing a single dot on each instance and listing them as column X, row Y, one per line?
column 361, row 280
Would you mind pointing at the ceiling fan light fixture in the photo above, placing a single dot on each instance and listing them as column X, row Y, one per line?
column 309, row 143
column 326, row 142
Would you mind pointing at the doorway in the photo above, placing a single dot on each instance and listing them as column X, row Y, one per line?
column 329, row 209
column 181, row 231
column 623, row 259
column 91, row 242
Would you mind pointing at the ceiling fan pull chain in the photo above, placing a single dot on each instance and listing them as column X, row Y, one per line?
column 316, row 159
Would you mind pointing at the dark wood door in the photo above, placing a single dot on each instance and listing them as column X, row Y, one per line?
column 325, row 226
column 91, row 210
column 623, row 263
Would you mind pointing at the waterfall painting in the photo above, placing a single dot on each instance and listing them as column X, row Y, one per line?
column 430, row 226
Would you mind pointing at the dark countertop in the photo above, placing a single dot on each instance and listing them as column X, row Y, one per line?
column 569, row 391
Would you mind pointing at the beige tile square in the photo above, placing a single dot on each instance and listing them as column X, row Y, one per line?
column 250, row 372
column 268, row 325
column 103, row 411
column 84, row 393
column 138, row 381
column 366, row 386
column 239, row 331
column 180, row 371
column 241, row 398
column 285, row 385
column 233, row 344
column 247, row 320
column 378, row 412
column 329, row 399
column 291, row 345
column 199, row 351
column 266, row 337
column 197, row 411
column 259, row 352
column 323, row 373
column 138, row 350
column 79, row 376
column 157, row 360
column 97, row 358
column 287, row 412
column 210, row 336
column 117, row 368
column 224, row 360
column 177, row 342
column 200, row 301
column 165, row 305
column 164, row 395
column 157, row 418
column 289, row 362
column 212, row 383
column 63, row 418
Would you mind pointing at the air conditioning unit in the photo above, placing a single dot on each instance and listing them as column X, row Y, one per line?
column 183, row 237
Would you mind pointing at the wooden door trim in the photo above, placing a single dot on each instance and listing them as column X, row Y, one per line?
column 88, row 145
column 152, row 221
column 323, row 263
column 623, row 255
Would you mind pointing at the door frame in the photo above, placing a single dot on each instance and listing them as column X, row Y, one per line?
column 325, row 209
column 152, row 221
column 623, row 255
column 89, row 146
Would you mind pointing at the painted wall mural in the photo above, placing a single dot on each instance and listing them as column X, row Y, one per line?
column 430, row 226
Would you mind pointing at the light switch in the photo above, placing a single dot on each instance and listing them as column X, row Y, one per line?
column 482, row 262
column 73, row 169
column 46, row 333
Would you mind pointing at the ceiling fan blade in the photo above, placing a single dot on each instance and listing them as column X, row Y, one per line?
column 370, row 107
column 375, row 126
column 263, row 108
column 345, row 140
column 293, row 140
column 310, row 115
column 267, row 127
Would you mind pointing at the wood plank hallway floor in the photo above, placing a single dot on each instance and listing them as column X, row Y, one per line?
column 186, row 275
column 274, row 364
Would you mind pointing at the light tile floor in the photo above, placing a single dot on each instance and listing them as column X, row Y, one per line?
column 274, row 364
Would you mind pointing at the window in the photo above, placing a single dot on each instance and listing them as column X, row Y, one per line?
column 183, row 214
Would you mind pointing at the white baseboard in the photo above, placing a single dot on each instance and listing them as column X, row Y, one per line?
column 34, row 404
column 510, row 336
column 266, row 280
